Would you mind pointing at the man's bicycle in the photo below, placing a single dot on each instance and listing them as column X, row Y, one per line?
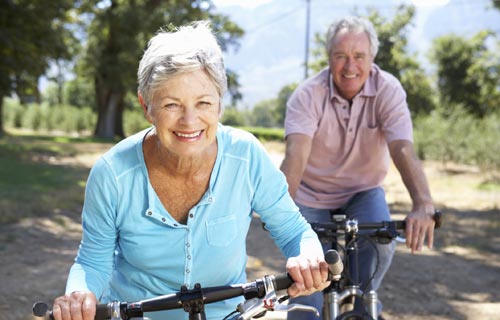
column 260, row 297
column 344, row 235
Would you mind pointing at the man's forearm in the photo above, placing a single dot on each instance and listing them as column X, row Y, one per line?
column 298, row 148
column 292, row 174
column 413, row 176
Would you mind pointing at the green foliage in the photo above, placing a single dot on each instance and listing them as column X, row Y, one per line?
column 233, row 87
column 266, row 134
column 64, row 118
column 271, row 112
column 451, row 134
column 263, row 114
column 496, row 3
column 134, row 121
column 318, row 53
column 279, row 111
column 80, row 92
column 33, row 33
column 468, row 73
column 234, row 117
column 44, row 117
column 393, row 37
column 392, row 57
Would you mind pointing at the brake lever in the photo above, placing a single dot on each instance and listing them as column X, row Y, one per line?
column 255, row 306
column 259, row 306
column 400, row 239
column 296, row 307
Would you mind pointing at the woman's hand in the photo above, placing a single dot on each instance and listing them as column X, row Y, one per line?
column 79, row 305
column 309, row 273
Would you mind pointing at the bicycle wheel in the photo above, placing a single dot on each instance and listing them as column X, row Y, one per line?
column 354, row 315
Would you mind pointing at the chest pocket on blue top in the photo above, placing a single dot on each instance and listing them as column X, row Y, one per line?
column 222, row 231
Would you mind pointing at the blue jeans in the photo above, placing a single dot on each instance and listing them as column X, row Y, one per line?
column 366, row 206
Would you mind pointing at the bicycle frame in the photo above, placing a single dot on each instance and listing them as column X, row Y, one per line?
column 348, row 287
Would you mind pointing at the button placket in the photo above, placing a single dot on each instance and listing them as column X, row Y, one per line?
column 188, row 262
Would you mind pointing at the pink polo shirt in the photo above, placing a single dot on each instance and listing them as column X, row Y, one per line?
column 349, row 147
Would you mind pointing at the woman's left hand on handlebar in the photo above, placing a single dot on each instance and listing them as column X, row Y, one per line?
column 309, row 273
column 75, row 306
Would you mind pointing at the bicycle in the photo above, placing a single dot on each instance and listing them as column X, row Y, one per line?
column 341, row 296
column 260, row 297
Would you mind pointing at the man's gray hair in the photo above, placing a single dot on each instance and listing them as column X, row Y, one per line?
column 353, row 24
column 188, row 48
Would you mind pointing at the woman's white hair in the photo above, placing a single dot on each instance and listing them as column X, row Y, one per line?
column 188, row 48
column 353, row 24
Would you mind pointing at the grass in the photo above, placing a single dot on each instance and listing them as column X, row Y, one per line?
column 34, row 181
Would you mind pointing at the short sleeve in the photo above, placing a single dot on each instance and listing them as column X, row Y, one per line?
column 305, row 108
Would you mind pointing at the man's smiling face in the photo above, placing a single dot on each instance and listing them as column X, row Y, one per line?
column 350, row 62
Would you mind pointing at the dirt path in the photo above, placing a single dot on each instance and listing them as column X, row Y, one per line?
column 459, row 279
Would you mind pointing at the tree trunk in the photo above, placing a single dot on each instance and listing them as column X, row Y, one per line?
column 1, row 116
column 110, row 113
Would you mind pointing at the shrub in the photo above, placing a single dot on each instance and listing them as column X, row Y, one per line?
column 456, row 136
column 134, row 121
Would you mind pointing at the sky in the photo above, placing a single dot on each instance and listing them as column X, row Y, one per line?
column 272, row 51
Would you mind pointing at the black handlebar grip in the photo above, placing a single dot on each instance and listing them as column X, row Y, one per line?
column 102, row 312
column 282, row 281
column 40, row 309
column 438, row 218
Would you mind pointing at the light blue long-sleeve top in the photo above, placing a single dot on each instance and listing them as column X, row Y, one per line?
column 132, row 249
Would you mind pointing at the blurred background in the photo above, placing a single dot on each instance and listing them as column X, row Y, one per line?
column 68, row 93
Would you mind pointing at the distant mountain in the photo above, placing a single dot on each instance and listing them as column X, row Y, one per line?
column 272, row 51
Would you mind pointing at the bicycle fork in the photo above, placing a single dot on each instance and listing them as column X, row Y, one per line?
column 333, row 300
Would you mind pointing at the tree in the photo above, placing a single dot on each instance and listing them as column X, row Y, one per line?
column 468, row 73
column 117, row 36
column 233, row 87
column 263, row 114
column 234, row 117
column 279, row 110
column 80, row 92
column 32, row 33
column 393, row 58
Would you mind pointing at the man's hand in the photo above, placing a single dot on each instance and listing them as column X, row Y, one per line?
column 419, row 226
column 310, row 275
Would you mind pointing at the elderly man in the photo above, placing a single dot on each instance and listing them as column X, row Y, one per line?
column 342, row 127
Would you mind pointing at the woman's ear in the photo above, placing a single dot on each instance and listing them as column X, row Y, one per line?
column 145, row 108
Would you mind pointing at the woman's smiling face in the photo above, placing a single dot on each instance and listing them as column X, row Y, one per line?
column 350, row 62
column 185, row 111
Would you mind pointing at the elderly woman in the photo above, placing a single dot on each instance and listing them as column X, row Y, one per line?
column 171, row 205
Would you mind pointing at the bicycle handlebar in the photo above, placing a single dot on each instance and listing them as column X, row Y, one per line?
column 343, row 224
column 184, row 299
column 193, row 300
